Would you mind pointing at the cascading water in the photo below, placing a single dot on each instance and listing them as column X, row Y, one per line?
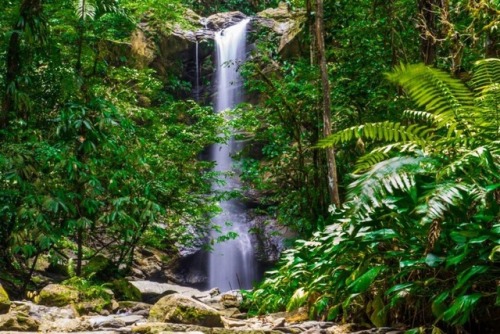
column 231, row 264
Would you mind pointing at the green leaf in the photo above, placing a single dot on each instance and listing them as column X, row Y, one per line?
column 434, row 261
column 362, row 283
column 297, row 300
column 460, row 309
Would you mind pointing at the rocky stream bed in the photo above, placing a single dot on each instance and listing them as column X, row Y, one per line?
column 165, row 308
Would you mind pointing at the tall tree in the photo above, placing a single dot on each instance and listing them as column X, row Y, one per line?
column 332, row 177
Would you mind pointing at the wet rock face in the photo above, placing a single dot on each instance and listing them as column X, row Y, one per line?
column 271, row 238
column 287, row 24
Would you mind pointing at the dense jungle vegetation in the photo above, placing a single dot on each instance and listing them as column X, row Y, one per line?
column 377, row 141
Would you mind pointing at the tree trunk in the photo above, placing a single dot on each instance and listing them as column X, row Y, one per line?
column 427, row 30
column 332, row 179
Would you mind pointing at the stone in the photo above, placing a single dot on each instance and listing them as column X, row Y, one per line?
column 233, row 323
column 106, row 322
column 159, row 327
column 131, row 319
column 57, row 295
column 151, row 292
column 280, row 322
column 65, row 326
column 181, row 309
column 18, row 321
column 124, row 290
column 44, row 313
column 130, row 307
column 94, row 306
column 4, row 301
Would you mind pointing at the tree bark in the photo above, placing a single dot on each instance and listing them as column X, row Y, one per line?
column 427, row 30
column 332, row 178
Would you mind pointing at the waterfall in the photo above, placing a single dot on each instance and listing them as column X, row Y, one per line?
column 197, row 75
column 231, row 264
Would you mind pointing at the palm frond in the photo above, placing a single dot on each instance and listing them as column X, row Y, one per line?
column 443, row 198
column 437, row 92
column 382, row 131
column 85, row 9
column 385, row 178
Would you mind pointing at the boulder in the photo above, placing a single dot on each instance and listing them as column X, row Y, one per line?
column 57, row 295
column 4, row 300
column 184, row 310
column 18, row 321
column 151, row 292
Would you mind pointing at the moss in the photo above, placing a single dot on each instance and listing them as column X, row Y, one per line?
column 124, row 290
column 57, row 295
column 100, row 267
column 4, row 301
column 93, row 306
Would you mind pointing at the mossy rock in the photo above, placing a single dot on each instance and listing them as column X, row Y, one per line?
column 57, row 295
column 101, row 267
column 18, row 322
column 4, row 301
column 96, row 306
column 124, row 290
column 180, row 309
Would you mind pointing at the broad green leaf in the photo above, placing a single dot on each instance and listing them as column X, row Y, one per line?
column 460, row 309
column 434, row 261
column 362, row 283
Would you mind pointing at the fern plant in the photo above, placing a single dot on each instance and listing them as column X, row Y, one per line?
column 418, row 238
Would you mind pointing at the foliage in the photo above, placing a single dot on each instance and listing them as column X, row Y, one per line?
column 92, row 168
column 417, row 239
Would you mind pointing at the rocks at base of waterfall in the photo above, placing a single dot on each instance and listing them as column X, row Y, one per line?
column 178, row 308
column 57, row 295
column 18, row 321
column 152, row 291
column 162, row 327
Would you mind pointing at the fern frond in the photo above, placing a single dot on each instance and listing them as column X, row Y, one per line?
column 486, row 84
column 486, row 73
column 382, row 131
column 379, row 154
column 370, row 189
column 85, row 9
column 436, row 91
column 442, row 199
column 484, row 158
